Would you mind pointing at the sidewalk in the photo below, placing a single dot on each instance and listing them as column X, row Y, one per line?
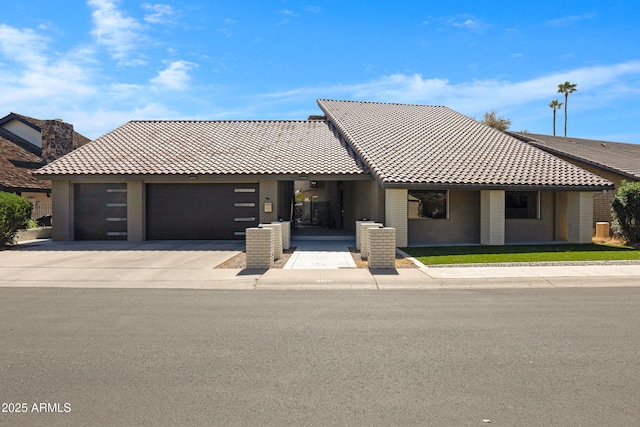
column 454, row 278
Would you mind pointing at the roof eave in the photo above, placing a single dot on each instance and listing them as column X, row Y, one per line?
column 519, row 187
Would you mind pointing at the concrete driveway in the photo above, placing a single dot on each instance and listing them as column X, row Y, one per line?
column 158, row 264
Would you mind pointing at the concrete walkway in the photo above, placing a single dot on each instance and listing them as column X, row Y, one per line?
column 325, row 254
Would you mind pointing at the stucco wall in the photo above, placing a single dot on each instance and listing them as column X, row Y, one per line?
column 463, row 225
column 534, row 230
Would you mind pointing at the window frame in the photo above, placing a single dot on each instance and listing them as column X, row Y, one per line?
column 447, row 204
column 538, row 213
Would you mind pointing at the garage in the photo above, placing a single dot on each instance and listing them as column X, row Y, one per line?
column 100, row 211
column 201, row 211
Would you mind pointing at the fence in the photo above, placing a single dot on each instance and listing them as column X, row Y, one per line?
column 40, row 210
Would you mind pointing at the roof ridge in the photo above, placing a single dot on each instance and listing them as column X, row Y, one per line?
column 382, row 103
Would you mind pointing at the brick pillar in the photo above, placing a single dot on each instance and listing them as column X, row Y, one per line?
column 358, row 233
column 492, row 217
column 579, row 216
column 396, row 214
column 277, row 238
column 136, row 231
column 260, row 247
column 382, row 247
column 562, row 224
column 364, row 237
column 286, row 233
column 62, row 210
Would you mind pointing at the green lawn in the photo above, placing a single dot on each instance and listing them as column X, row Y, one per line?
column 521, row 253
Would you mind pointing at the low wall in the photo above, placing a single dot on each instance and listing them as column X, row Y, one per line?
column 33, row 234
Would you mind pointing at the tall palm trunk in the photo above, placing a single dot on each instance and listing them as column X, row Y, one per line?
column 566, row 100
column 554, row 122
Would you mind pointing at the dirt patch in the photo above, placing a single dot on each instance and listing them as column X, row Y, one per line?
column 240, row 260
column 401, row 261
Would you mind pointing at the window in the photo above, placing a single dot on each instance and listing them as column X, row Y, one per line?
column 428, row 204
column 522, row 204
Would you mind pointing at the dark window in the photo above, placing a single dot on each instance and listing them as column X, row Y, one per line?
column 521, row 204
column 427, row 204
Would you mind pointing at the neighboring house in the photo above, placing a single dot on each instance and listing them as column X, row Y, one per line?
column 27, row 144
column 435, row 175
column 614, row 161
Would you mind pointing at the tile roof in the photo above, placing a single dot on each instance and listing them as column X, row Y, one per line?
column 405, row 145
column 18, row 159
column 212, row 148
column 615, row 156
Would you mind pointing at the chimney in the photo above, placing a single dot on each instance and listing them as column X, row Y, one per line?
column 57, row 139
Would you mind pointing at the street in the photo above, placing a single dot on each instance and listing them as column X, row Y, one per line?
column 514, row 357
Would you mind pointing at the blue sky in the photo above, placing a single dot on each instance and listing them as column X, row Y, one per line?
column 100, row 63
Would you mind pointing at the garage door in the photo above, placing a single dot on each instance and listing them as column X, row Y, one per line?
column 100, row 211
column 200, row 211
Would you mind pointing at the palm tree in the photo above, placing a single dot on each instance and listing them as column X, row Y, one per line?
column 566, row 88
column 556, row 106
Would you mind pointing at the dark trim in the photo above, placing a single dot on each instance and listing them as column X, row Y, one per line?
column 414, row 186
column 14, row 116
column 199, row 178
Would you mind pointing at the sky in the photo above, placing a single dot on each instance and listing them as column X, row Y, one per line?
column 100, row 63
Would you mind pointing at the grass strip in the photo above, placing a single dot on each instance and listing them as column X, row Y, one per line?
column 521, row 253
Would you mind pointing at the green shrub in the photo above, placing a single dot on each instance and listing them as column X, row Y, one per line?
column 625, row 210
column 14, row 214
column 31, row 223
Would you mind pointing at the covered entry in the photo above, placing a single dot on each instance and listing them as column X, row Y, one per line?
column 200, row 211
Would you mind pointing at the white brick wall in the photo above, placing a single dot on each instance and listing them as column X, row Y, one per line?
column 277, row 238
column 260, row 247
column 358, row 233
column 580, row 216
column 135, row 211
column 396, row 213
column 382, row 250
column 286, row 233
column 364, row 237
column 492, row 221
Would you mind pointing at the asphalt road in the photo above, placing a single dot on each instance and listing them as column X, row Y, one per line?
column 448, row 358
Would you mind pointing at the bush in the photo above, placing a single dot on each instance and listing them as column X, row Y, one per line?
column 625, row 210
column 14, row 214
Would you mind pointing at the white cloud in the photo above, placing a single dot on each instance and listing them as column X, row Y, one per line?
column 159, row 13
column 120, row 34
column 473, row 97
column 175, row 76
column 23, row 46
column 466, row 22
column 567, row 20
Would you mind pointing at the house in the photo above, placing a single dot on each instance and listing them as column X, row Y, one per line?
column 27, row 144
column 435, row 175
column 614, row 161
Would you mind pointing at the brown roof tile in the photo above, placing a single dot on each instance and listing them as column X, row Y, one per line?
column 212, row 148
column 615, row 156
column 436, row 146
column 18, row 159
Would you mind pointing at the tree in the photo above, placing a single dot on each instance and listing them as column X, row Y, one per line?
column 491, row 119
column 556, row 106
column 566, row 88
column 15, row 211
column 625, row 210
